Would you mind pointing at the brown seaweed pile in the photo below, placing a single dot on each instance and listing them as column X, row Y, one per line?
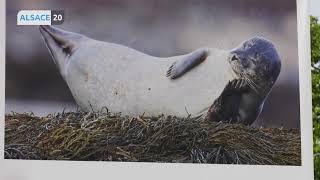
column 103, row 136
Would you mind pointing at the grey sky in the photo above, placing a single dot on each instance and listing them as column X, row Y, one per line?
column 315, row 8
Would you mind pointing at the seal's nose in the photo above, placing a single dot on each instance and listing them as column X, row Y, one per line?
column 234, row 57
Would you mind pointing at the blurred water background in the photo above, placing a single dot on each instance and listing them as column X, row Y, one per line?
column 156, row 27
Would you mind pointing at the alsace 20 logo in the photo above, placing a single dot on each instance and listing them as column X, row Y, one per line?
column 40, row 17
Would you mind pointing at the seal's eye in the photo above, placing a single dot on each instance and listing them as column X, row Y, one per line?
column 250, row 45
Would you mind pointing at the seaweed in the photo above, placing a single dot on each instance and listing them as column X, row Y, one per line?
column 106, row 136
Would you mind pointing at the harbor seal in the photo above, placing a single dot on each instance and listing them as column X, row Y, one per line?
column 101, row 74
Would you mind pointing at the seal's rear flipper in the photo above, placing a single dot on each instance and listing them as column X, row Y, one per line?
column 59, row 38
column 61, row 44
column 178, row 68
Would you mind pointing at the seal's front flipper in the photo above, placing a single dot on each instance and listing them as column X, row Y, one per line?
column 178, row 68
column 226, row 107
column 235, row 86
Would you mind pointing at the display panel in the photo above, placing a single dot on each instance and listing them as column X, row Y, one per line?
column 212, row 82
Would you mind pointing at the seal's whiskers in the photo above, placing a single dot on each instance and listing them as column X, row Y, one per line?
column 252, row 84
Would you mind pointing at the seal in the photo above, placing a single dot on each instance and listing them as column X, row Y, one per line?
column 101, row 74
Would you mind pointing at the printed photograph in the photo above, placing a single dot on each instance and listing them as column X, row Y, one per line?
column 183, row 81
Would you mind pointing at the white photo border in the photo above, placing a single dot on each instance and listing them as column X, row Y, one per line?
column 53, row 170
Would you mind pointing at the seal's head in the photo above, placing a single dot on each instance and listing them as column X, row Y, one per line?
column 61, row 44
column 257, row 61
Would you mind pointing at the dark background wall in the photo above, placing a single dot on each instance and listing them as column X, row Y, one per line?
column 159, row 28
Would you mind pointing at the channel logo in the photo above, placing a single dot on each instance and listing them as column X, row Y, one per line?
column 40, row 17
